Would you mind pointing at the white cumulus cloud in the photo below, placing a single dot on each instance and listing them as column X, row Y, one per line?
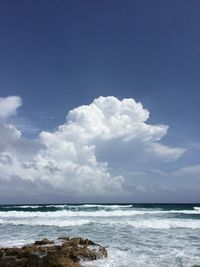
column 9, row 106
column 79, row 157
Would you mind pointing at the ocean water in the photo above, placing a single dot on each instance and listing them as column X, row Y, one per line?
column 135, row 235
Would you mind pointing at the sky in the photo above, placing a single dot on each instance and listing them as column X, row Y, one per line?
column 99, row 101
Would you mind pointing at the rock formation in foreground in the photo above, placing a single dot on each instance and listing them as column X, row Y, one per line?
column 63, row 252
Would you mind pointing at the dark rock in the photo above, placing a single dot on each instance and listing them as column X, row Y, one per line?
column 1, row 253
column 45, row 253
column 11, row 261
column 52, row 260
column 11, row 251
column 44, row 241
column 33, row 260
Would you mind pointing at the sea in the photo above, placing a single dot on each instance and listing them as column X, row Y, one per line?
column 135, row 235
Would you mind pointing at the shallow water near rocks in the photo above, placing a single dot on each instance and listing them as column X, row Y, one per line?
column 134, row 235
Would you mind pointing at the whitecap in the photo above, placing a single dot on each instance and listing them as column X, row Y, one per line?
column 98, row 213
column 43, row 222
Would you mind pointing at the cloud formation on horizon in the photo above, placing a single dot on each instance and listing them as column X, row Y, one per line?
column 79, row 158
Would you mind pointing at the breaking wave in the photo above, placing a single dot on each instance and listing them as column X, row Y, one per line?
column 92, row 213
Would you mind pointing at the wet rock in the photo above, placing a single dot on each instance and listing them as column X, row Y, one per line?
column 46, row 253
column 44, row 241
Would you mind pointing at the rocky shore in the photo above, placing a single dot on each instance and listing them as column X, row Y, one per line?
column 63, row 252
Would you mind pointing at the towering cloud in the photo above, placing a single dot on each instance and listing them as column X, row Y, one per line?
column 80, row 158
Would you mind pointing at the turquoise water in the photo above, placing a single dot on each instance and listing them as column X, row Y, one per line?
column 134, row 234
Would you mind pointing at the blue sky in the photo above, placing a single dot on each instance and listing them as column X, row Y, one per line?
column 58, row 55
